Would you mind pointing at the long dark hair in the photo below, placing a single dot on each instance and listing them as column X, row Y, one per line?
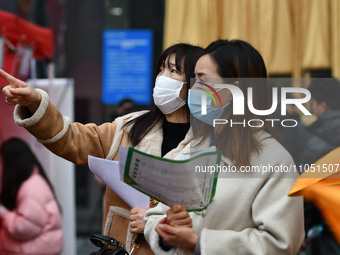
column 186, row 56
column 237, row 59
column 18, row 165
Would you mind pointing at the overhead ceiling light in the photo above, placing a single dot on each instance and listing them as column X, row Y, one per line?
column 116, row 11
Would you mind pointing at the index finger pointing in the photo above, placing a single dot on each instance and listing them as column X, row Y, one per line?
column 12, row 80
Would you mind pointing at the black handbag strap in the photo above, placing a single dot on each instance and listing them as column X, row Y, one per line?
column 103, row 241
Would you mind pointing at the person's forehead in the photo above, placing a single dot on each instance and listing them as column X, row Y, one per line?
column 205, row 66
column 169, row 61
column 172, row 58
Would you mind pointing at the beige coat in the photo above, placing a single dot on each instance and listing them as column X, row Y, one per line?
column 251, row 213
column 75, row 141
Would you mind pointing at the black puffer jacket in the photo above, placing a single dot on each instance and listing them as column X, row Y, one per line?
column 325, row 136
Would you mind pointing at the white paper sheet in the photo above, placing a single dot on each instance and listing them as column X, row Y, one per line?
column 108, row 172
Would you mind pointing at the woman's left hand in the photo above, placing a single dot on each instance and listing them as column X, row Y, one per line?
column 183, row 237
column 137, row 220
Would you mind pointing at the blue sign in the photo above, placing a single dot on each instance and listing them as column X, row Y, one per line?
column 127, row 66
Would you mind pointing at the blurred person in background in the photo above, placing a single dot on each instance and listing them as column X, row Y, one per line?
column 324, row 137
column 292, row 138
column 325, row 131
column 30, row 216
column 124, row 107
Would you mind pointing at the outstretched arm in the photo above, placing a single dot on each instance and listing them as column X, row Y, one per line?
column 72, row 141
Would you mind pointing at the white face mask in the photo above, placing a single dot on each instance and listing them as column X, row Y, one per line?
column 166, row 94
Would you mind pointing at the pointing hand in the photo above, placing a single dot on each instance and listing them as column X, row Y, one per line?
column 19, row 92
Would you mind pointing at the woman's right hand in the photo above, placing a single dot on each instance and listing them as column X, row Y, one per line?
column 19, row 92
column 183, row 237
column 177, row 216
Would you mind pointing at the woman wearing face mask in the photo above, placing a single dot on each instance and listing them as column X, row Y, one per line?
column 251, row 212
column 162, row 131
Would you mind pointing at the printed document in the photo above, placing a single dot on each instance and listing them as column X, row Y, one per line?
column 172, row 181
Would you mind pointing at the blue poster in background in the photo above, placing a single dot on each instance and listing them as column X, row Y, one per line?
column 127, row 66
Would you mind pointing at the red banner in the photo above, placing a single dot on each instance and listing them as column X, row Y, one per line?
column 17, row 29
